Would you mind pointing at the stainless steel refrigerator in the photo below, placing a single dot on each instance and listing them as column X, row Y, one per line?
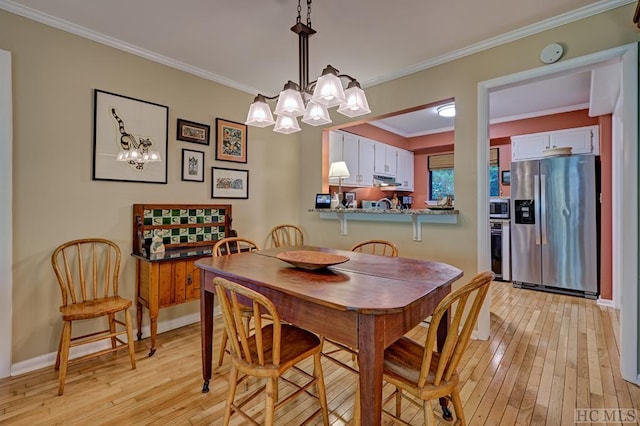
column 554, row 228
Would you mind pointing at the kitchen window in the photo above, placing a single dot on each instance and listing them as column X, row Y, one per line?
column 441, row 175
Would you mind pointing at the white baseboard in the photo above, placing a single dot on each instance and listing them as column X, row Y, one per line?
column 606, row 303
column 50, row 358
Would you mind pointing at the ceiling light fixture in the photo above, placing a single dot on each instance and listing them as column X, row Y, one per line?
column 309, row 99
column 448, row 110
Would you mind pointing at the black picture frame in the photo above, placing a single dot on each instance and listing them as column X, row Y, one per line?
column 192, row 165
column 190, row 131
column 229, row 183
column 505, row 177
column 120, row 122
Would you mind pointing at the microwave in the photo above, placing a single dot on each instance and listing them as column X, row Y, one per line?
column 499, row 208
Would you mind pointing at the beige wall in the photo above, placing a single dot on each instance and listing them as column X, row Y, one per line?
column 55, row 199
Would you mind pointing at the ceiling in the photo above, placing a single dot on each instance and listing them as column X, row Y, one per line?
column 248, row 45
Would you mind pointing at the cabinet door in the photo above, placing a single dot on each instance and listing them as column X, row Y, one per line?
column 391, row 165
column 379, row 158
column 365, row 162
column 583, row 140
column 350, row 156
column 527, row 147
column 405, row 170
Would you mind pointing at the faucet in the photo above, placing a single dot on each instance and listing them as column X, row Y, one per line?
column 389, row 203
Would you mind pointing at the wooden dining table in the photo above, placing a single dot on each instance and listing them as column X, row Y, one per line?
column 367, row 303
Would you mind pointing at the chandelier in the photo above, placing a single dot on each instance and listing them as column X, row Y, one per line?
column 308, row 99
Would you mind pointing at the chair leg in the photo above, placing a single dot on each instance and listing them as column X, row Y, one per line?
column 233, row 384
column 223, row 347
column 398, row 402
column 112, row 329
column 429, row 418
column 269, row 408
column 57, row 366
column 130, row 342
column 457, row 407
column 64, row 355
column 322, row 391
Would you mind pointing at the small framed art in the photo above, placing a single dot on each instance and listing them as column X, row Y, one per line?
column 231, row 141
column 229, row 183
column 189, row 131
column 192, row 165
column 506, row 177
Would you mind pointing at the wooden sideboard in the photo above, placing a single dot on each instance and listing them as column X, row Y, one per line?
column 188, row 232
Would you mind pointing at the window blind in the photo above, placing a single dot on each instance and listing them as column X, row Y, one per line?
column 445, row 161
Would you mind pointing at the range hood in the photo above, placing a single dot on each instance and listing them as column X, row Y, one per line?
column 380, row 181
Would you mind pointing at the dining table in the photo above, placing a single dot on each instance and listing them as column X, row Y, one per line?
column 366, row 302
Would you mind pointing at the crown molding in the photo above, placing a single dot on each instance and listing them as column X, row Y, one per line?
column 565, row 18
column 575, row 15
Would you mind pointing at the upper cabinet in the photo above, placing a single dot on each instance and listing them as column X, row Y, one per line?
column 357, row 152
column 366, row 157
column 385, row 159
column 582, row 140
column 405, row 170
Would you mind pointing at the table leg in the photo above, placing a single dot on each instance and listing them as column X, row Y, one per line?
column 139, row 319
column 370, row 359
column 153, row 325
column 206, row 332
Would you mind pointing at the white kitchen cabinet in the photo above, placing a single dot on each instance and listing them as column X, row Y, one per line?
column 357, row 152
column 385, row 159
column 404, row 175
column 582, row 140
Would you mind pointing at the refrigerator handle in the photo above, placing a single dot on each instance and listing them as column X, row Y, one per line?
column 543, row 208
column 536, row 206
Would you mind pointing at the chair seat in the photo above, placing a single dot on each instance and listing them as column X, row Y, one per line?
column 402, row 364
column 94, row 308
column 299, row 345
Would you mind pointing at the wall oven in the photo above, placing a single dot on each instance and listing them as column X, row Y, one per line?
column 496, row 249
column 499, row 208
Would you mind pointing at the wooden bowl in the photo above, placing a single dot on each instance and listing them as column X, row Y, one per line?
column 311, row 259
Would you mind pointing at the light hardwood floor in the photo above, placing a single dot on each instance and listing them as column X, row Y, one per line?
column 547, row 355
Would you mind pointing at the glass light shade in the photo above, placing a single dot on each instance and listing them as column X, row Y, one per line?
column 338, row 169
column 356, row 103
column 316, row 115
column 290, row 103
column 328, row 91
column 123, row 156
column 447, row 110
column 259, row 113
column 286, row 125
column 151, row 157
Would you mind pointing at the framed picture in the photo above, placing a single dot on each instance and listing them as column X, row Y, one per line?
column 231, row 141
column 189, row 131
column 350, row 200
column 229, row 183
column 506, row 177
column 192, row 165
column 123, row 125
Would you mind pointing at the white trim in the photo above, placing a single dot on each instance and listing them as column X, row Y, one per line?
column 6, row 215
column 565, row 18
column 627, row 215
column 49, row 359
column 540, row 113
column 605, row 303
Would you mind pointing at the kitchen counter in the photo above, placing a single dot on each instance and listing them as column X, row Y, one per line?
column 415, row 216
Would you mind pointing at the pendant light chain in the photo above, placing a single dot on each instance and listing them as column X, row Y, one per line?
column 308, row 13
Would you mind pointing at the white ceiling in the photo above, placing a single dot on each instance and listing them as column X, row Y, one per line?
column 248, row 45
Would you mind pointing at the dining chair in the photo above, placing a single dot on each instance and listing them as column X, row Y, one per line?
column 223, row 247
column 87, row 271
column 379, row 247
column 423, row 371
column 270, row 351
column 287, row 236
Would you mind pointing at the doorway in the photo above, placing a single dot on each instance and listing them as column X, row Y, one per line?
column 6, row 226
column 625, row 181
